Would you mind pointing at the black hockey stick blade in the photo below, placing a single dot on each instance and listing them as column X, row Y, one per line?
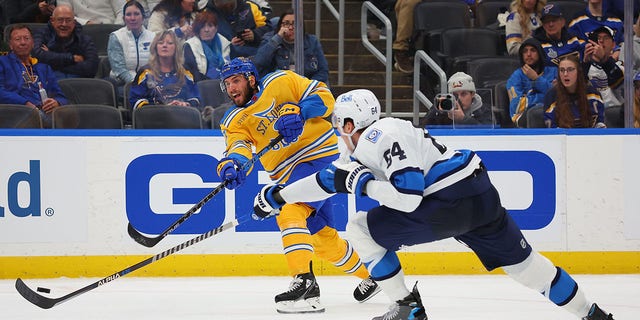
column 47, row 303
column 152, row 241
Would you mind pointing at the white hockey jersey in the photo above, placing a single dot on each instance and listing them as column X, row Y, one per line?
column 408, row 164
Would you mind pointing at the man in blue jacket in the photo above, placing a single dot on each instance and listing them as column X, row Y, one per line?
column 63, row 46
column 22, row 76
column 528, row 84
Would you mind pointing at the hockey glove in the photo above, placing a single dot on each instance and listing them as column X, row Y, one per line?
column 230, row 170
column 267, row 203
column 290, row 123
column 351, row 178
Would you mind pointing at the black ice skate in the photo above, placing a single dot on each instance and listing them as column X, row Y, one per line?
column 366, row 289
column 595, row 313
column 409, row 308
column 303, row 296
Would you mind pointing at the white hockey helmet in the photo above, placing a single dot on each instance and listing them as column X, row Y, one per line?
column 359, row 105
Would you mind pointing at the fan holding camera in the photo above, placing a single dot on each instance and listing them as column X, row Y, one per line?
column 461, row 106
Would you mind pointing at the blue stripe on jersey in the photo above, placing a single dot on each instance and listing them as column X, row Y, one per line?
column 409, row 181
column 294, row 157
column 563, row 288
column 384, row 268
column 312, row 106
column 230, row 114
column 443, row 169
column 270, row 77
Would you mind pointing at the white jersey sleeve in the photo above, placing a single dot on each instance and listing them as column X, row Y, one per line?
column 409, row 163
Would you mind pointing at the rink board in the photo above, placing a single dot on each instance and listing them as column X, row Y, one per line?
column 66, row 197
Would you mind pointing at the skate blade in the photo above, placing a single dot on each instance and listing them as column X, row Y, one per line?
column 311, row 305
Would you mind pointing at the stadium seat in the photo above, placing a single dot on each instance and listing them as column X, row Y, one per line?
column 88, row 91
column 614, row 116
column 460, row 45
column 35, row 28
column 487, row 72
column 570, row 8
column 501, row 105
column 211, row 93
column 19, row 116
column 487, row 13
column 166, row 117
column 86, row 116
column 430, row 18
column 100, row 35
column 535, row 117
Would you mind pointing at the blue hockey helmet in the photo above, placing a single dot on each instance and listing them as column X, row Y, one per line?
column 239, row 65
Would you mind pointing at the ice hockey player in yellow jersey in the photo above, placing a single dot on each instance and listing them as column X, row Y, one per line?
column 285, row 103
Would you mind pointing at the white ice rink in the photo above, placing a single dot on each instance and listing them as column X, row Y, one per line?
column 251, row 298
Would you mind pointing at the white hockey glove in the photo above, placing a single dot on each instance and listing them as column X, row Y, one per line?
column 267, row 203
column 351, row 178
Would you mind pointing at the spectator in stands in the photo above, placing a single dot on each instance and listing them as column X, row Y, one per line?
column 28, row 11
column 603, row 70
column 149, row 5
column 573, row 102
column 277, row 51
column 22, row 76
column 467, row 107
column 129, row 46
column 523, row 20
column 635, row 61
column 63, row 46
column 175, row 15
column 555, row 38
column 96, row 12
column 594, row 17
column 636, row 101
column 208, row 51
column 243, row 23
column 402, row 50
column 528, row 84
column 164, row 81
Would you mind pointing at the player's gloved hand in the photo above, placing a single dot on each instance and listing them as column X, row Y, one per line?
column 267, row 204
column 351, row 178
column 290, row 122
column 230, row 170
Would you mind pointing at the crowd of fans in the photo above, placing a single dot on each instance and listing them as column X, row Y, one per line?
column 165, row 47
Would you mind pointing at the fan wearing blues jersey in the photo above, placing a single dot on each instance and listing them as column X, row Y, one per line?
column 427, row 192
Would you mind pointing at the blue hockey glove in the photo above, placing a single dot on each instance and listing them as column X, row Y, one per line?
column 290, row 123
column 231, row 171
column 267, row 203
column 351, row 178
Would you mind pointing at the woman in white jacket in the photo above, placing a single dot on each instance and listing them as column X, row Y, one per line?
column 208, row 51
column 128, row 47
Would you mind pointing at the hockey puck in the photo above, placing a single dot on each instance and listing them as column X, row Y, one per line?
column 45, row 290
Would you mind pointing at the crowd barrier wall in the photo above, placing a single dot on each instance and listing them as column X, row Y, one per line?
column 66, row 197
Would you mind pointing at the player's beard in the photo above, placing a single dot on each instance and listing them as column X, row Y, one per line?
column 248, row 95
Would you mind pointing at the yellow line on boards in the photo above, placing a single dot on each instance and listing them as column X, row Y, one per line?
column 423, row 263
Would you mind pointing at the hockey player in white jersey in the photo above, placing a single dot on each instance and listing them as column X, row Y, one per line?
column 427, row 192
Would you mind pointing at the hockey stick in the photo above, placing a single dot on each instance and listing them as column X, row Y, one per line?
column 152, row 241
column 47, row 303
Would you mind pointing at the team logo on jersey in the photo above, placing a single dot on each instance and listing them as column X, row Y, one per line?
column 374, row 135
column 267, row 117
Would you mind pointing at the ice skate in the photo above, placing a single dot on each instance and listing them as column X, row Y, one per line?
column 409, row 308
column 303, row 296
column 595, row 313
column 366, row 289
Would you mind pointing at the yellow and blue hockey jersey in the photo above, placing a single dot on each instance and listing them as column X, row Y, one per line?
column 252, row 124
